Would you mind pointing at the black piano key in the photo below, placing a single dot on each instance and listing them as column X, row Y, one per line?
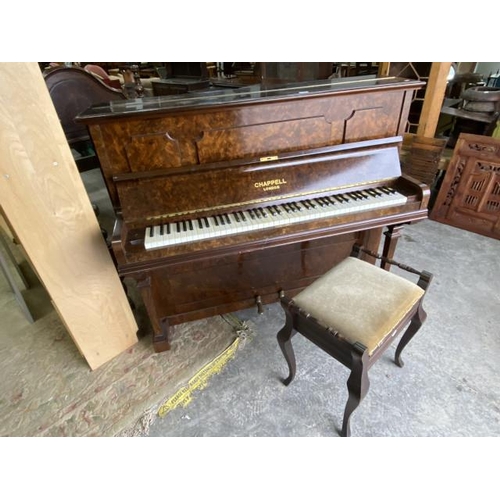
column 161, row 230
column 252, row 215
column 207, row 223
column 184, row 225
column 243, row 216
column 216, row 221
column 236, row 216
column 190, row 223
column 178, row 227
column 228, row 220
column 168, row 227
column 200, row 224
column 263, row 212
column 151, row 231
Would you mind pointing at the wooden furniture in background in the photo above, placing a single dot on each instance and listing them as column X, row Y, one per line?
column 424, row 112
column 282, row 72
column 183, row 160
column 422, row 158
column 182, row 77
column 44, row 199
column 72, row 91
column 469, row 197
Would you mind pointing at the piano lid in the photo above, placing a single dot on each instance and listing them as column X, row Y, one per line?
column 252, row 93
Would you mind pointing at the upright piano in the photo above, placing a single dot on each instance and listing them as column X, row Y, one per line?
column 228, row 198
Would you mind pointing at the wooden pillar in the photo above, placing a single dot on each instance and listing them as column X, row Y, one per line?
column 433, row 100
column 45, row 202
column 383, row 69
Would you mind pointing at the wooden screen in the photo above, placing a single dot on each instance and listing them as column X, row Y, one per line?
column 469, row 197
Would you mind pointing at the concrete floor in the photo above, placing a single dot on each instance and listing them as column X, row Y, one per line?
column 449, row 386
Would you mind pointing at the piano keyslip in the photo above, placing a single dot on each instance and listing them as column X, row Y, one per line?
column 272, row 216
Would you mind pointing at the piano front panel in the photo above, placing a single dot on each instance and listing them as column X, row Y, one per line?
column 185, row 292
column 128, row 144
column 153, row 152
column 263, row 139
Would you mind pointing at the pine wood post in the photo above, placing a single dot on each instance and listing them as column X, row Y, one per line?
column 44, row 199
column 433, row 100
column 383, row 69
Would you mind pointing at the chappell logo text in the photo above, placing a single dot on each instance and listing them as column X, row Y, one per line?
column 270, row 185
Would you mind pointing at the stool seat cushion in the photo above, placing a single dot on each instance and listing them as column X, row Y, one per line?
column 361, row 301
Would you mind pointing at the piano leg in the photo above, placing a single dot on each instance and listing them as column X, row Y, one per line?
column 161, row 328
column 161, row 340
column 370, row 240
column 391, row 240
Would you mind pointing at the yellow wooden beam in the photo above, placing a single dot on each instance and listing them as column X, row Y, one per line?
column 433, row 99
column 383, row 68
column 45, row 202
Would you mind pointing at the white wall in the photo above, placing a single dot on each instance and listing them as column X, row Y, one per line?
column 485, row 68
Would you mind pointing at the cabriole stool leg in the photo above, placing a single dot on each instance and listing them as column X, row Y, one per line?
column 285, row 342
column 415, row 324
column 357, row 384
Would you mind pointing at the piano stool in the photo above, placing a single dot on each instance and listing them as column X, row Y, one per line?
column 353, row 313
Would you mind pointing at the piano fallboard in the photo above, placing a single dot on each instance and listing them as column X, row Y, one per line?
column 162, row 195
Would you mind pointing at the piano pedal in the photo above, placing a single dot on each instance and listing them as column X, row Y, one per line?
column 258, row 301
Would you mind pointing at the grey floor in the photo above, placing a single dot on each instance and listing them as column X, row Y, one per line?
column 449, row 386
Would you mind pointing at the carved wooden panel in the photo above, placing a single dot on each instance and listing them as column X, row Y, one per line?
column 469, row 197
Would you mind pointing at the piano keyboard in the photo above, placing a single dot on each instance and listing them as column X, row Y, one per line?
column 202, row 228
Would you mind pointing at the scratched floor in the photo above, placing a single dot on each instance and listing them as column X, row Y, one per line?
column 449, row 386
